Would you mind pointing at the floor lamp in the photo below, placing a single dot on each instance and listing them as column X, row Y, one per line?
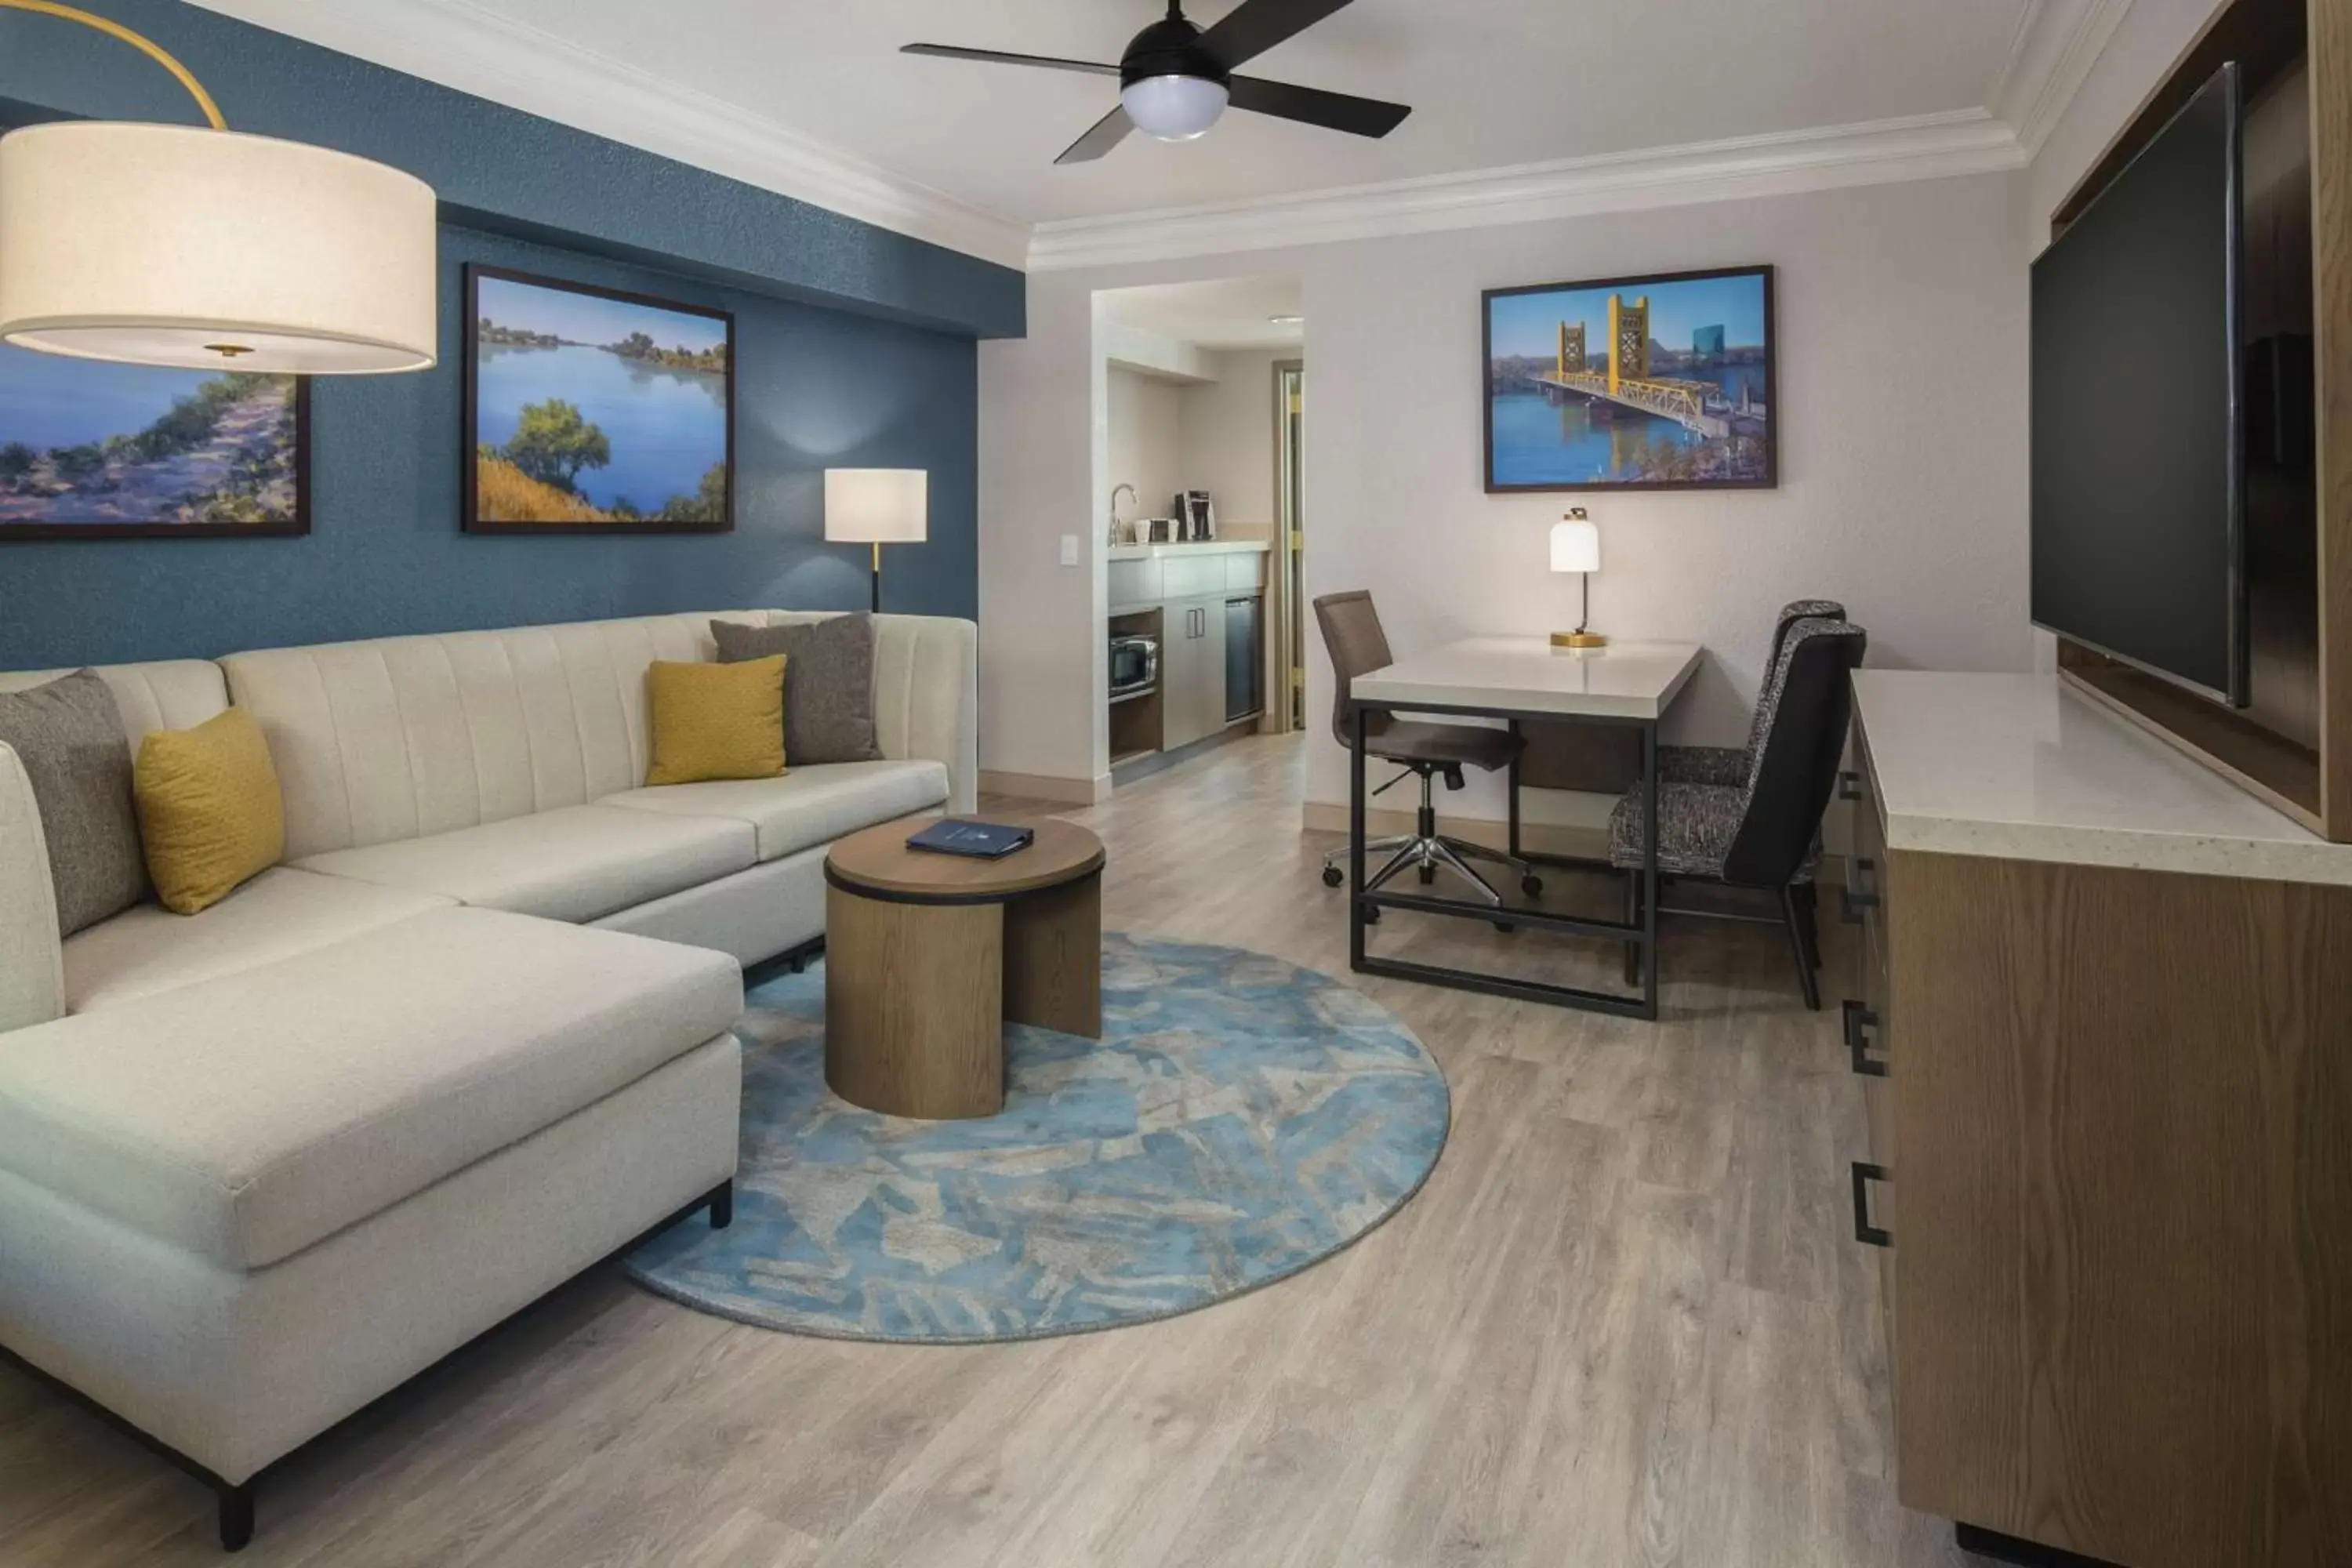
column 876, row 507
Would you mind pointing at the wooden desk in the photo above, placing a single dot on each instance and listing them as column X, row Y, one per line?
column 1516, row 678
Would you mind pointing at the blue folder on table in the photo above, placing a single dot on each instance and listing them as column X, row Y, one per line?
column 982, row 840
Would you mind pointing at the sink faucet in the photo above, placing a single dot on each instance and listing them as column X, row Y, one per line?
column 1132, row 494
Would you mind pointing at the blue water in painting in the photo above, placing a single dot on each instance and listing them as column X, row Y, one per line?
column 49, row 400
column 1538, row 443
column 666, row 426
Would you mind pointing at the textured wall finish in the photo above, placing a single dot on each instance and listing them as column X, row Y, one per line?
column 885, row 378
column 814, row 388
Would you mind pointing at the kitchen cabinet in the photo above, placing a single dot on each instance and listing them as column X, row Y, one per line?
column 1193, row 669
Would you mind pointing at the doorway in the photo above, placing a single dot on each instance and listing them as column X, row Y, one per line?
column 1290, row 468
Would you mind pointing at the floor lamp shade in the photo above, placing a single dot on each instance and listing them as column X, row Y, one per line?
column 211, row 249
column 877, row 506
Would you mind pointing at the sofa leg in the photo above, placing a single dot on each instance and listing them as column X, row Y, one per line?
column 236, row 1517
column 722, row 1207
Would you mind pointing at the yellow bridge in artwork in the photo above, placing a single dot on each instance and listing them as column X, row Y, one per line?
column 1627, row 380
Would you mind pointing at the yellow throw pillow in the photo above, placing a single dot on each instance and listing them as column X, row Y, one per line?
column 209, row 809
column 716, row 720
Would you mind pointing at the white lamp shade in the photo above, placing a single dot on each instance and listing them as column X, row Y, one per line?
column 877, row 506
column 208, row 250
column 1575, row 546
column 1173, row 108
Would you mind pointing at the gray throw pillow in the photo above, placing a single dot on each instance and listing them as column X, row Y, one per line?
column 828, row 684
column 68, row 734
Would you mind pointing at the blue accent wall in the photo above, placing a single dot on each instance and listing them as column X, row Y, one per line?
column 856, row 347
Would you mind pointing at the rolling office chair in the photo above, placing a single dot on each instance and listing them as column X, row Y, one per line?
column 1353, row 637
column 1763, row 831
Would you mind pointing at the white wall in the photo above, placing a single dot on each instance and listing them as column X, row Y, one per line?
column 2151, row 35
column 1146, row 441
column 1229, row 435
column 1902, row 342
column 1042, row 693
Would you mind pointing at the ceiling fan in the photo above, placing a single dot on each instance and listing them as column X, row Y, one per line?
column 1175, row 79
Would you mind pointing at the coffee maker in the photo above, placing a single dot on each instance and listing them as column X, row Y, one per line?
column 1196, row 517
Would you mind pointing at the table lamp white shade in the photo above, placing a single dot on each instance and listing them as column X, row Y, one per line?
column 1575, row 546
column 877, row 506
column 210, row 249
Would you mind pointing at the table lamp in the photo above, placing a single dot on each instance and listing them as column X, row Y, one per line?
column 1576, row 547
column 876, row 507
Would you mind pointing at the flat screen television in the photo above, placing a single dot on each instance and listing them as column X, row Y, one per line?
column 2138, row 410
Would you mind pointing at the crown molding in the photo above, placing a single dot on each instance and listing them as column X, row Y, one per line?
column 2057, row 43
column 1921, row 147
column 460, row 45
column 475, row 51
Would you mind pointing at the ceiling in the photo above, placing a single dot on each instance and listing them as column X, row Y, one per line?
column 812, row 97
column 1217, row 313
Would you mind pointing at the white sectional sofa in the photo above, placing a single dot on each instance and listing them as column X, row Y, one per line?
column 261, row 1164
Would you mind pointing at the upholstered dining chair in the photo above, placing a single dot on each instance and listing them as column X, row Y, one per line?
column 1731, row 764
column 1357, row 646
column 1763, row 831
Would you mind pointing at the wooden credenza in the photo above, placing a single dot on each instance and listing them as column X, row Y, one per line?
column 2103, row 1015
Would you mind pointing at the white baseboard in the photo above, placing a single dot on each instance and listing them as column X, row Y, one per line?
column 1047, row 786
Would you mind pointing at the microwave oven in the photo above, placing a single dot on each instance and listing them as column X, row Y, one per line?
column 1134, row 664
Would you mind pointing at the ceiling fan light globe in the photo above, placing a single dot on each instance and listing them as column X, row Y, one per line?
column 1173, row 108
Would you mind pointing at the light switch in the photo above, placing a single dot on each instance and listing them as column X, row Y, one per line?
column 1069, row 550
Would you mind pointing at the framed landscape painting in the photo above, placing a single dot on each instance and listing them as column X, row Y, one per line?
column 593, row 411
column 1644, row 383
column 92, row 449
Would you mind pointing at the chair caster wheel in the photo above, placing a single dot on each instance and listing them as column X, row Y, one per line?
column 1531, row 885
column 1333, row 876
column 1372, row 914
column 1506, row 927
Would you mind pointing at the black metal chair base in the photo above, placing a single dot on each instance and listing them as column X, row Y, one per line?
column 1799, row 904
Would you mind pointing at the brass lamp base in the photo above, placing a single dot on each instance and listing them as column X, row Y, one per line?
column 1579, row 639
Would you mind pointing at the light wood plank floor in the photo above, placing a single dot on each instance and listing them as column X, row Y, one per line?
column 1625, row 1324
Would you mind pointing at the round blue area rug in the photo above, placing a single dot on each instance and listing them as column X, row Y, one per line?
column 1241, row 1118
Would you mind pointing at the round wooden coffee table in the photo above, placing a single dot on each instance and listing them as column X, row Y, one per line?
column 926, row 957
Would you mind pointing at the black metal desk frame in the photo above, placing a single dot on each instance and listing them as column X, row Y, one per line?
column 1642, row 934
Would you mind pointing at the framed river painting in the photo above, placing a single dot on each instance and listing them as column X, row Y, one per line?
column 593, row 411
column 1660, row 383
column 93, row 449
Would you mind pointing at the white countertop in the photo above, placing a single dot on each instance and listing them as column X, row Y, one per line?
column 2024, row 767
column 1527, row 675
column 1201, row 547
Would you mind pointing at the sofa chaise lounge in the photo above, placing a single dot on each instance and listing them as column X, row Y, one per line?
column 261, row 1164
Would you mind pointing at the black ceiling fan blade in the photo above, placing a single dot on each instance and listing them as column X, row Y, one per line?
column 1313, row 106
column 1108, row 133
column 1254, row 26
column 997, row 57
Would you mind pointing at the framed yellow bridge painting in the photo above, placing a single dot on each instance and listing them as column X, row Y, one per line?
column 1653, row 383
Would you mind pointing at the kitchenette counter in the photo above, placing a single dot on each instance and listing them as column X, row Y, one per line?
column 1201, row 547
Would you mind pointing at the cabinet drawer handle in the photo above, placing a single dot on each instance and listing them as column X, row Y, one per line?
column 1857, row 1019
column 1848, row 785
column 1869, row 1235
column 1857, row 897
